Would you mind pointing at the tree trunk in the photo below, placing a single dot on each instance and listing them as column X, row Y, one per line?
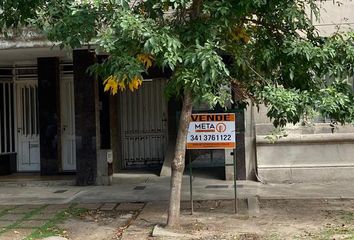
column 178, row 162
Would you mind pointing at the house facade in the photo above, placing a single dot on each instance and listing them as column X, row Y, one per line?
column 42, row 112
column 56, row 119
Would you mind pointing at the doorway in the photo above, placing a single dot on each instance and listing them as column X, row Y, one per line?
column 27, row 120
column 27, row 125
column 143, row 126
column 67, row 109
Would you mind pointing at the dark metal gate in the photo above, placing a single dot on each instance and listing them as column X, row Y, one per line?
column 7, row 132
column 144, row 134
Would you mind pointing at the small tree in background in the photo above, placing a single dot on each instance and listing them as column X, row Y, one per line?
column 264, row 50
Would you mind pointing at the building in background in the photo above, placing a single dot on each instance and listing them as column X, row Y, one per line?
column 317, row 152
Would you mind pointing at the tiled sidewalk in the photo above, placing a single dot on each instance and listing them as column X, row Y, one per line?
column 30, row 221
column 18, row 222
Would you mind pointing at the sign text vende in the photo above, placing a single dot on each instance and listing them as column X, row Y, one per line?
column 212, row 131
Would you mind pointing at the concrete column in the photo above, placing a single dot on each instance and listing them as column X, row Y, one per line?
column 49, row 115
column 85, row 118
column 250, row 143
column 115, row 132
column 245, row 148
column 229, row 170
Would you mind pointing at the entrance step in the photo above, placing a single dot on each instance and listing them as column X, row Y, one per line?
column 52, row 183
column 35, row 180
column 135, row 177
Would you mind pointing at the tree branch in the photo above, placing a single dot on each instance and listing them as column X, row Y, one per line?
column 240, row 92
column 196, row 8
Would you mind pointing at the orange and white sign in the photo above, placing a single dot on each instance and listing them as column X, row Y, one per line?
column 212, row 131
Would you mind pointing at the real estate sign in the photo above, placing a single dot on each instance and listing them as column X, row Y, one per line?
column 212, row 131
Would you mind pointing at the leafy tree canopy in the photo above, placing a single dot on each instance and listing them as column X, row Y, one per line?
column 14, row 13
column 266, row 50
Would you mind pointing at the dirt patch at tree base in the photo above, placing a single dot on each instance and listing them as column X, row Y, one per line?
column 277, row 220
column 96, row 225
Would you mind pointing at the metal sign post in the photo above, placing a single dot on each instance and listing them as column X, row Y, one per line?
column 191, row 184
column 235, row 186
column 212, row 131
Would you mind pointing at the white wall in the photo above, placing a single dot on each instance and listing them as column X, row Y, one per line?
column 334, row 14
